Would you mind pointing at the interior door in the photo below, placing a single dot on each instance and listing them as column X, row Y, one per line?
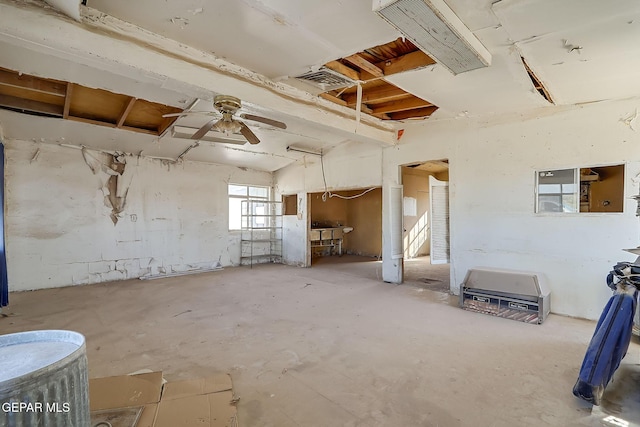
column 439, row 209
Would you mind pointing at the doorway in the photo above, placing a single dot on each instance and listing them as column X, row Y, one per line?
column 346, row 227
column 426, row 225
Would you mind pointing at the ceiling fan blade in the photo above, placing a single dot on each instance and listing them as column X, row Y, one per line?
column 204, row 129
column 264, row 120
column 186, row 113
column 247, row 133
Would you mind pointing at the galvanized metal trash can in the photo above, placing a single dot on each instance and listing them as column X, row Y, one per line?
column 44, row 380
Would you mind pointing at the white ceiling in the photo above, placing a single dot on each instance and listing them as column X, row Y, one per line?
column 582, row 51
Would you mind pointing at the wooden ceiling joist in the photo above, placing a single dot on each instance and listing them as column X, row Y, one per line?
column 126, row 111
column 92, row 121
column 67, row 101
column 339, row 67
column 410, row 61
column 51, row 87
column 43, row 97
column 333, row 98
column 367, row 66
column 381, row 116
column 402, row 105
column 22, row 104
column 376, row 95
column 418, row 113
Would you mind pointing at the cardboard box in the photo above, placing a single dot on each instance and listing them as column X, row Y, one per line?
column 203, row 402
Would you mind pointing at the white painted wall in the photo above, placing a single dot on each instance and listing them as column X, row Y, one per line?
column 492, row 179
column 348, row 166
column 59, row 232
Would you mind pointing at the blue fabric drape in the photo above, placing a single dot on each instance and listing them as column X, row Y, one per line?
column 4, row 280
column 608, row 346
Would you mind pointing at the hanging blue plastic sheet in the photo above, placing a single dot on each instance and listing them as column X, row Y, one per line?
column 4, row 281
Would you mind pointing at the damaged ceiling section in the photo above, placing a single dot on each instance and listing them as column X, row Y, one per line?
column 54, row 98
column 334, row 74
column 358, row 81
column 594, row 41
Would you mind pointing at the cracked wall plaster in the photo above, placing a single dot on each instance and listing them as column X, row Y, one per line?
column 110, row 168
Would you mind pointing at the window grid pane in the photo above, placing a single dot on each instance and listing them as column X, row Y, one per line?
column 258, row 192
column 238, row 210
column 237, row 190
column 558, row 191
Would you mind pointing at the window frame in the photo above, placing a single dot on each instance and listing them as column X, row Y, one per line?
column 580, row 183
column 573, row 191
column 235, row 218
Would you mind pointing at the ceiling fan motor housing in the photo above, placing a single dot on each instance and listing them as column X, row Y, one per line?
column 227, row 104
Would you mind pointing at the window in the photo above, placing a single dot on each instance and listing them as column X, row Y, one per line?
column 586, row 189
column 557, row 191
column 238, row 193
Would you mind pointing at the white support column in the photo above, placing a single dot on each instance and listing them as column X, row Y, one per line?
column 392, row 252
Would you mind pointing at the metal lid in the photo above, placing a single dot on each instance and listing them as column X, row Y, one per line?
column 26, row 352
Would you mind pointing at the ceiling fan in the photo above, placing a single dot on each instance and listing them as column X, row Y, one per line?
column 228, row 106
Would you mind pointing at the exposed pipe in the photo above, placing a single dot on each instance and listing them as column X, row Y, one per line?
column 290, row 148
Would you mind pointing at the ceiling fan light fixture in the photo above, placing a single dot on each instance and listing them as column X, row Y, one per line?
column 228, row 127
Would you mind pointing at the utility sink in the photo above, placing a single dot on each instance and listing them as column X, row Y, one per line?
column 329, row 233
column 326, row 233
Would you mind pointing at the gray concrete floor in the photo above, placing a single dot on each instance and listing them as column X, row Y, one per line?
column 332, row 345
column 421, row 273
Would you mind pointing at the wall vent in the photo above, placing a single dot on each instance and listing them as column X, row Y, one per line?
column 326, row 79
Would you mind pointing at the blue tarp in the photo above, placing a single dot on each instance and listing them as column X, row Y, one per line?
column 608, row 345
column 4, row 281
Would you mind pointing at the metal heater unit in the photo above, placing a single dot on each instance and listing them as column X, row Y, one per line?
column 517, row 295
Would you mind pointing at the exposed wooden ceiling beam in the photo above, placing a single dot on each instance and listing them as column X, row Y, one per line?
column 382, row 116
column 30, row 105
column 404, row 104
column 52, row 87
column 92, row 121
column 126, row 111
column 67, row 101
column 376, row 95
column 364, row 108
column 332, row 98
column 339, row 67
column 365, row 65
column 33, row 95
column 410, row 61
column 412, row 114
